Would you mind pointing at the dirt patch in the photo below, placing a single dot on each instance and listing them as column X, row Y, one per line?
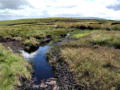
column 12, row 44
column 16, row 45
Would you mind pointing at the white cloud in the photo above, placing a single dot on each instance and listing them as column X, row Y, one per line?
column 64, row 8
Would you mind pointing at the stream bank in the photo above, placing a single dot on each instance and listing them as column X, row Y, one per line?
column 43, row 76
column 63, row 79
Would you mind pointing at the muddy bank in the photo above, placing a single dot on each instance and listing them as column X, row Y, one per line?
column 17, row 45
column 50, row 84
column 65, row 78
column 12, row 44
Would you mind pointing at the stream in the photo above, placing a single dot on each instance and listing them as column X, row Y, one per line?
column 42, row 70
column 43, row 76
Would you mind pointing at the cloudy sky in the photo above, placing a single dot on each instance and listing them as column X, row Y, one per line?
column 17, row 9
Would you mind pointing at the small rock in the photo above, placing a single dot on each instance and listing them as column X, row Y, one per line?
column 55, row 87
column 51, row 83
column 43, row 85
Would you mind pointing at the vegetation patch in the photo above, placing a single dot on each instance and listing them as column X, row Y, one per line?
column 89, row 67
column 13, row 68
column 79, row 34
column 108, row 38
column 94, row 65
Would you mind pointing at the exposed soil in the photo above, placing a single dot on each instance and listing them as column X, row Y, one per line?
column 65, row 78
column 16, row 45
column 12, row 44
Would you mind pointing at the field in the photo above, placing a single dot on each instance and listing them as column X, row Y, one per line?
column 92, row 57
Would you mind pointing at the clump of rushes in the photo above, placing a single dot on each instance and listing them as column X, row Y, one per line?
column 13, row 68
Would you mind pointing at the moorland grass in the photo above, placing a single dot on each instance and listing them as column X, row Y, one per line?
column 93, row 57
column 96, row 66
column 55, row 27
column 12, row 69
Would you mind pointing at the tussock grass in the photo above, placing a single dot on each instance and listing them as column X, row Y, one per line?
column 94, row 68
column 109, row 38
column 12, row 69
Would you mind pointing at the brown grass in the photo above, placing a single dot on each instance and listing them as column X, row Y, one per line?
column 96, row 66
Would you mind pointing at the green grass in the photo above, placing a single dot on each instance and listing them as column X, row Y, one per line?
column 12, row 69
column 79, row 34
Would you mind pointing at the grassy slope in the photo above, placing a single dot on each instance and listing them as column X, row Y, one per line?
column 94, row 66
column 12, row 69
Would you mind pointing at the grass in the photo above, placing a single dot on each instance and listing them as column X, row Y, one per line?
column 79, row 34
column 94, row 68
column 12, row 69
column 108, row 38
column 96, row 65
column 56, row 27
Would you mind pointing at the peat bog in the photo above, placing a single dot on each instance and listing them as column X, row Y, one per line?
column 66, row 54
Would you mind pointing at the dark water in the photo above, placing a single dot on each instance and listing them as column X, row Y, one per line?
column 42, row 69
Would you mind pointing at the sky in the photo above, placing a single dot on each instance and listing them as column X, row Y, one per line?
column 18, row 9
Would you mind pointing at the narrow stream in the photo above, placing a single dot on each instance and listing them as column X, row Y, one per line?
column 42, row 70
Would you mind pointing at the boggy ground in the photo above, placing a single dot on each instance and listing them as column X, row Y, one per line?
column 90, row 62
